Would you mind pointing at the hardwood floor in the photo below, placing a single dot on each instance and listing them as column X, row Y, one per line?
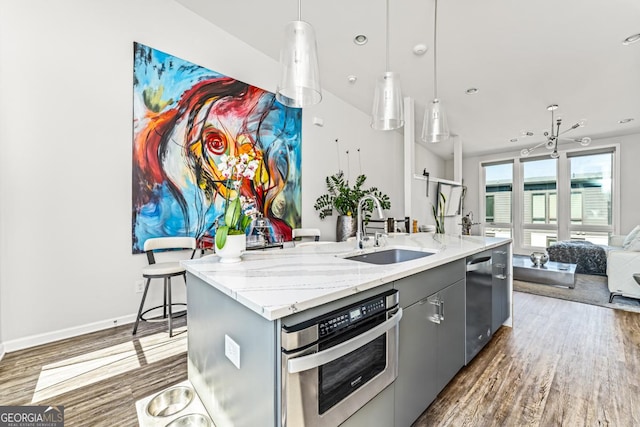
column 98, row 377
column 563, row 364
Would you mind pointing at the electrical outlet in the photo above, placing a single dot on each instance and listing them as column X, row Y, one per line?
column 232, row 350
column 138, row 286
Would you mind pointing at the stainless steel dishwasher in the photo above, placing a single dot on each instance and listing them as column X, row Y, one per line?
column 479, row 306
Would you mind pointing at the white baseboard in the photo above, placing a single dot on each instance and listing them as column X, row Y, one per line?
column 1, row 351
column 34, row 340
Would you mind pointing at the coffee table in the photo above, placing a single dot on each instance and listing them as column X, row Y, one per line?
column 552, row 273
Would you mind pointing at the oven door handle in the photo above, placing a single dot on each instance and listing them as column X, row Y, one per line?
column 304, row 363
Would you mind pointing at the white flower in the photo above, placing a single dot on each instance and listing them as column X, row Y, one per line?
column 226, row 173
column 238, row 168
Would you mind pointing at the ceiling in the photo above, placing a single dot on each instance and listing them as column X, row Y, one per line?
column 521, row 55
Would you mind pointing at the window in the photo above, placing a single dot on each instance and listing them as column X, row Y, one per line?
column 553, row 208
column 539, row 201
column 490, row 207
column 498, row 186
column 539, row 178
column 576, row 207
column 591, row 176
column 539, row 208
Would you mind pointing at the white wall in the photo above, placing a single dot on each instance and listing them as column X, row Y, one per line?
column 380, row 158
column 421, row 204
column 65, row 154
column 630, row 195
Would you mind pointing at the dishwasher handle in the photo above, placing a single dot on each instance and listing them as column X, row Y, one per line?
column 314, row 360
column 477, row 263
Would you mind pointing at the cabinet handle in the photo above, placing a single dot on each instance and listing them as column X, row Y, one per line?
column 503, row 274
column 441, row 309
column 435, row 301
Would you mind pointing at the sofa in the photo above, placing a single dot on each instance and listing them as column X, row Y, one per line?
column 623, row 261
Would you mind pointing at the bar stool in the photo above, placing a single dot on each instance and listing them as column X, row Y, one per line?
column 301, row 234
column 165, row 271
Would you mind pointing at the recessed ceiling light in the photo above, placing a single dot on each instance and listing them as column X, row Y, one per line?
column 472, row 91
column 360, row 39
column 630, row 119
column 513, row 140
column 526, row 133
column 631, row 39
column 352, row 79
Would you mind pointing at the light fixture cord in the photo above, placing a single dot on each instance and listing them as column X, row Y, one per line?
column 435, row 47
column 387, row 33
column 338, row 152
column 299, row 10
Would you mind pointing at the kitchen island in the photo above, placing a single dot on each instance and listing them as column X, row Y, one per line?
column 236, row 313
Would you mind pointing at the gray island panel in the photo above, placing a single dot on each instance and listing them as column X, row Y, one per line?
column 244, row 397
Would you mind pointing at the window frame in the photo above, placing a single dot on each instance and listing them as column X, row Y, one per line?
column 562, row 225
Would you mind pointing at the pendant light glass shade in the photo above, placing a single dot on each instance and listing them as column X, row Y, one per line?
column 435, row 128
column 387, row 111
column 387, row 103
column 299, row 84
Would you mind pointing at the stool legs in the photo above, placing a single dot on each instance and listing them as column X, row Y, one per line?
column 144, row 296
column 168, row 292
column 164, row 308
column 167, row 308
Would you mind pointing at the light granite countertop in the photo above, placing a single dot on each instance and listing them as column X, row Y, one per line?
column 279, row 282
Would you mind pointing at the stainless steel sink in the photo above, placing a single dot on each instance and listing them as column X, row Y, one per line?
column 390, row 256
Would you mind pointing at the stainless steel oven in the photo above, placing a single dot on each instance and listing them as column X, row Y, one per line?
column 334, row 364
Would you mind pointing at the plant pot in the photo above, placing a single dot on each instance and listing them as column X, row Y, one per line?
column 233, row 249
column 345, row 227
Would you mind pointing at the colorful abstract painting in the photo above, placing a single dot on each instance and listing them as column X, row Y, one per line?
column 185, row 118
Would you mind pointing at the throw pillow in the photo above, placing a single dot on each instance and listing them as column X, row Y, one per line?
column 631, row 237
column 634, row 245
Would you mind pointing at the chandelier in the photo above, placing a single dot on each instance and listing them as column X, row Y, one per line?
column 555, row 135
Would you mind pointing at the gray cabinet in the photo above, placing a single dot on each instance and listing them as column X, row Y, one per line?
column 500, row 286
column 450, row 333
column 432, row 334
column 416, row 385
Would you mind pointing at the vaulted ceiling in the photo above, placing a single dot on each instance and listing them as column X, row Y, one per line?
column 521, row 56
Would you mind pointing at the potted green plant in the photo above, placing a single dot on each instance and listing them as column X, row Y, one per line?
column 344, row 199
column 230, row 238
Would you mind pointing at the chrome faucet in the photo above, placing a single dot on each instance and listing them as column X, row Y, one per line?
column 376, row 202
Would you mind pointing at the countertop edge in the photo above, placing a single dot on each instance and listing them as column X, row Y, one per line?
column 398, row 271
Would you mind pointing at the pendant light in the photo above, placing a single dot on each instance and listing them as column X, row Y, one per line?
column 387, row 100
column 435, row 128
column 299, row 84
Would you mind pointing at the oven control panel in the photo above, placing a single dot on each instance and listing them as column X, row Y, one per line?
column 350, row 315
